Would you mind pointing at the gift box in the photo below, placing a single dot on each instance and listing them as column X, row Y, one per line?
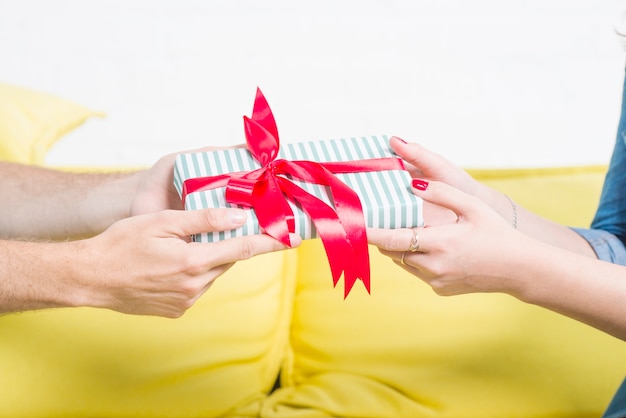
column 330, row 189
column 385, row 195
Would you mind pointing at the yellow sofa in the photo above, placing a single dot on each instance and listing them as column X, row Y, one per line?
column 402, row 351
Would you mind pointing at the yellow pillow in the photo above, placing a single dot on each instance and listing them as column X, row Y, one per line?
column 221, row 357
column 31, row 122
column 403, row 351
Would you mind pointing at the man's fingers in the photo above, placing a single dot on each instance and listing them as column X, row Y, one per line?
column 190, row 222
column 183, row 223
column 241, row 248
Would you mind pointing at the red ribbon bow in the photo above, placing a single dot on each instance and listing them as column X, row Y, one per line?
column 342, row 228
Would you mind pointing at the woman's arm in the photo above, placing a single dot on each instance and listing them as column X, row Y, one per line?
column 482, row 252
column 588, row 290
column 532, row 224
column 426, row 164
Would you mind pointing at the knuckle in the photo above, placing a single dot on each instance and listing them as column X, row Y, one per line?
column 189, row 291
column 438, row 270
column 211, row 218
column 182, row 305
column 440, row 287
column 396, row 242
column 247, row 250
column 187, row 303
column 218, row 219
column 175, row 314
column 192, row 265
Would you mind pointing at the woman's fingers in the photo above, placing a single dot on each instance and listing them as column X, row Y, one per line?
column 427, row 162
column 398, row 240
column 444, row 195
column 436, row 193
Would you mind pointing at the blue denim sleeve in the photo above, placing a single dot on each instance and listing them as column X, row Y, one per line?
column 606, row 245
column 611, row 213
column 607, row 233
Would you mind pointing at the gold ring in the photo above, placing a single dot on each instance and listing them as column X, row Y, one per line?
column 402, row 259
column 415, row 242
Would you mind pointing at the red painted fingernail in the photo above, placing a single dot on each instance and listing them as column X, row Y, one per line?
column 419, row 184
column 401, row 140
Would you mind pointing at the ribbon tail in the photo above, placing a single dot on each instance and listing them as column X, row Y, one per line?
column 349, row 211
column 358, row 269
column 329, row 229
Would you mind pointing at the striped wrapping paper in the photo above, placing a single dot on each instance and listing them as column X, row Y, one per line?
column 385, row 195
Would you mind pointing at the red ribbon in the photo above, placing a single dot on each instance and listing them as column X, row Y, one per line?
column 342, row 228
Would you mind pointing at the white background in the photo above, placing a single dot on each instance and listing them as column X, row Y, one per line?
column 487, row 83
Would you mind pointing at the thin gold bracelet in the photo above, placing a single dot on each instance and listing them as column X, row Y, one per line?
column 514, row 207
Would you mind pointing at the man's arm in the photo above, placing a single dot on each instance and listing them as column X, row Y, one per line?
column 140, row 265
column 42, row 203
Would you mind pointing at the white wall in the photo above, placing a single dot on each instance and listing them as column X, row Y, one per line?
column 488, row 83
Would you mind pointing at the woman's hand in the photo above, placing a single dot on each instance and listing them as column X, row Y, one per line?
column 425, row 164
column 473, row 254
column 422, row 163
column 483, row 253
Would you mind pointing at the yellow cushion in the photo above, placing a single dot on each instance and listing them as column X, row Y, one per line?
column 31, row 122
column 403, row 351
column 221, row 357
